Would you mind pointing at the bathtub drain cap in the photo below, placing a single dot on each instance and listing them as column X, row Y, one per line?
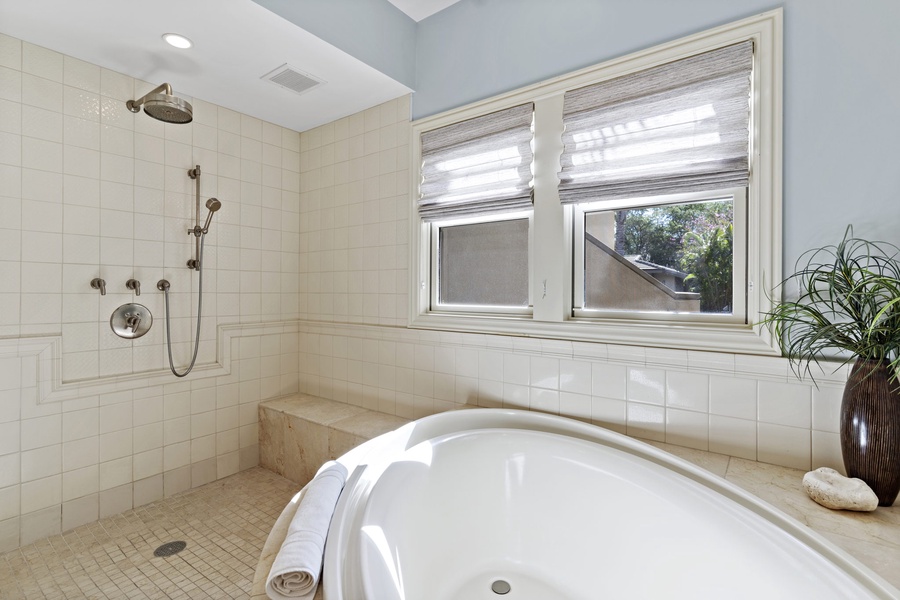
column 500, row 587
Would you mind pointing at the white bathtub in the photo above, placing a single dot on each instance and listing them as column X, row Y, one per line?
column 468, row 504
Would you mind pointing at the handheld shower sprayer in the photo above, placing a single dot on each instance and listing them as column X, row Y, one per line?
column 213, row 205
column 195, row 264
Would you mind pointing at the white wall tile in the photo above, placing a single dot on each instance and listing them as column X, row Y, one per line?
column 826, row 451
column 115, row 473
column 687, row 428
column 41, row 431
column 41, row 462
column 609, row 413
column 40, row 524
column 80, row 453
column 9, row 437
column 42, row 62
column 785, row 446
column 687, row 390
column 80, row 482
column 80, row 511
column 148, row 490
column 826, row 408
column 785, row 404
column 116, row 500
column 733, row 397
column 148, row 464
column 646, row 421
column 41, row 493
column 646, row 385
column 608, row 381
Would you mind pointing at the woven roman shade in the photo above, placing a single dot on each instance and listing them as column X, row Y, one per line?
column 478, row 166
column 678, row 127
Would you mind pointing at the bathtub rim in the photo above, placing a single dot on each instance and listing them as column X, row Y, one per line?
column 367, row 461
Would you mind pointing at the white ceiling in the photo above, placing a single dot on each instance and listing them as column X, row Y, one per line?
column 235, row 43
column 419, row 9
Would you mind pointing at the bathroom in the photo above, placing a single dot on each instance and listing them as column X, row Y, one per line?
column 308, row 281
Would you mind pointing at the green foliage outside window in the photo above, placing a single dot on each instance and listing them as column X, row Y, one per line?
column 695, row 238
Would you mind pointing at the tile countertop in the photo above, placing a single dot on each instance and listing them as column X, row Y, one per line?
column 873, row 538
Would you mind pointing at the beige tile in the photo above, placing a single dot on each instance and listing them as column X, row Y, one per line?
column 224, row 525
column 369, row 425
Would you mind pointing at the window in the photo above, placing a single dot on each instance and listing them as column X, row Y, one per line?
column 475, row 195
column 482, row 265
column 656, row 202
column 666, row 257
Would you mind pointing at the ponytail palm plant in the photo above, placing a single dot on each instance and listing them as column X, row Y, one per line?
column 849, row 301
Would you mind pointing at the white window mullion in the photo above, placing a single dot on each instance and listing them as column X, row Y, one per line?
column 552, row 265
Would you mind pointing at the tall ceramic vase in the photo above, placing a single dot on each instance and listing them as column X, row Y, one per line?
column 870, row 429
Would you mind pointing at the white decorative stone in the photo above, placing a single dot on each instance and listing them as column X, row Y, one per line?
column 832, row 490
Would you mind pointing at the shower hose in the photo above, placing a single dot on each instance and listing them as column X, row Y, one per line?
column 199, row 315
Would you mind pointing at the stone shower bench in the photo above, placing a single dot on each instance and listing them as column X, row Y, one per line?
column 297, row 434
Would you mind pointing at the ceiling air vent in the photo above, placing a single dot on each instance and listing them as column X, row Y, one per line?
column 290, row 78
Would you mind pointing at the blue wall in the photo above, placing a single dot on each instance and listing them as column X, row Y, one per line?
column 841, row 86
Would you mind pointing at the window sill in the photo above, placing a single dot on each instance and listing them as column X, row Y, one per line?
column 740, row 339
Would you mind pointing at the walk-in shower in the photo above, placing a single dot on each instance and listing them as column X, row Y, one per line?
column 163, row 105
column 195, row 264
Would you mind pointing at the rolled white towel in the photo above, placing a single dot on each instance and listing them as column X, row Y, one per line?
column 298, row 564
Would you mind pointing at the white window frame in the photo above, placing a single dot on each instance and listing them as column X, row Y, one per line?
column 552, row 263
column 739, row 282
column 436, row 307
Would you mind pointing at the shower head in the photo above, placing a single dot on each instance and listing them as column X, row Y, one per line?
column 213, row 205
column 163, row 106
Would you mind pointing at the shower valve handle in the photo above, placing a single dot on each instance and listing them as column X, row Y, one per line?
column 132, row 322
column 99, row 284
column 134, row 284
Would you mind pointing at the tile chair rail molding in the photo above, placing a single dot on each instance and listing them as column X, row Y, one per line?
column 46, row 374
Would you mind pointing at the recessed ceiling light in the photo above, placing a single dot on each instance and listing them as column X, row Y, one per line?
column 179, row 41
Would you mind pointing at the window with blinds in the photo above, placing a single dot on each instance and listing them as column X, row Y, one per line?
column 476, row 197
column 675, row 128
column 477, row 167
column 636, row 202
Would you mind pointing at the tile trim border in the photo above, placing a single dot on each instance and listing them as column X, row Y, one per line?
column 47, row 373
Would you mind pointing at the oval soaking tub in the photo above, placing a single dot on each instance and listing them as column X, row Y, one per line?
column 490, row 504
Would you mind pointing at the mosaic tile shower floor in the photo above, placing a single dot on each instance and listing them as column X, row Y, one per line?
column 225, row 524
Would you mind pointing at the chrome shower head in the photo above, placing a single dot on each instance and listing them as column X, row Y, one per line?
column 213, row 205
column 162, row 105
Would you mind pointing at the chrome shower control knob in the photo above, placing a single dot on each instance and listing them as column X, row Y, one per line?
column 99, row 284
column 134, row 284
column 131, row 321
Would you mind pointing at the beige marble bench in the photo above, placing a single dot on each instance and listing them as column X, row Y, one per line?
column 296, row 436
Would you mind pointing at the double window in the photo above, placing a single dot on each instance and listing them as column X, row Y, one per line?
column 634, row 202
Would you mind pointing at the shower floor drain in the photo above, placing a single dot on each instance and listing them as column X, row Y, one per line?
column 169, row 548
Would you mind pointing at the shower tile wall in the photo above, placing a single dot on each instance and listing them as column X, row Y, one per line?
column 354, row 207
column 88, row 189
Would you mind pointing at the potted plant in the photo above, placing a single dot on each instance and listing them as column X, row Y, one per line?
column 848, row 306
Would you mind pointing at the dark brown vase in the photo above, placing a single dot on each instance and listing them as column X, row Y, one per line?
column 870, row 429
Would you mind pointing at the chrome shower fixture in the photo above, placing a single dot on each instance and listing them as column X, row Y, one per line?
column 162, row 105
column 213, row 205
column 197, row 230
